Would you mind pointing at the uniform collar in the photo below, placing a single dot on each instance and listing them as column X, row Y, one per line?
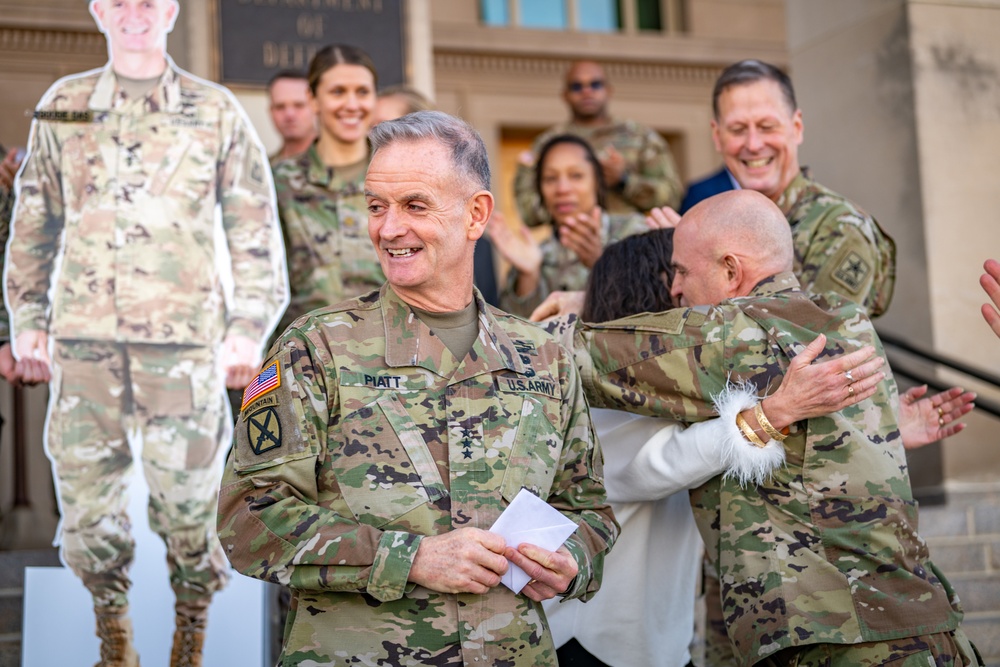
column 165, row 97
column 409, row 342
column 779, row 282
column 790, row 196
column 317, row 173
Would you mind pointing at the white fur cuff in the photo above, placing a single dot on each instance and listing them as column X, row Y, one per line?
column 745, row 462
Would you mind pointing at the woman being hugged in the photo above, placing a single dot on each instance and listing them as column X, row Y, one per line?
column 570, row 184
column 321, row 199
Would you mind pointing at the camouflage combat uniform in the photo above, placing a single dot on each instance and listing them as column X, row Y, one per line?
column 562, row 268
column 374, row 436
column 827, row 551
column 118, row 215
column 838, row 247
column 324, row 218
column 651, row 176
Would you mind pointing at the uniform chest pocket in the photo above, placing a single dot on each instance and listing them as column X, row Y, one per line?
column 535, row 455
column 383, row 465
column 181, row 158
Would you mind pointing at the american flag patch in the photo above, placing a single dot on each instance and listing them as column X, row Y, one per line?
column 266, row 380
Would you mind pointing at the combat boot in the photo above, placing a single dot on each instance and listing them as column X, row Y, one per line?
column 189, row 638
column 114, row 629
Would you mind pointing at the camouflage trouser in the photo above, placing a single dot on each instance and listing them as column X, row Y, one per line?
column 718, row 648
column 944, row 649
column 173, row 394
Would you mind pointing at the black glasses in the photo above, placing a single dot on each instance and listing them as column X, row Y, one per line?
column 579, row 86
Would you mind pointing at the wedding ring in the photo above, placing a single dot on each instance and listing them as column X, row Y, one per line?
column 850, row 390
column 940, row 412
column 850, row 378
column 940, row 421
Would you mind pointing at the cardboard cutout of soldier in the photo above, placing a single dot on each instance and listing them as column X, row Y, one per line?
column 114, row 285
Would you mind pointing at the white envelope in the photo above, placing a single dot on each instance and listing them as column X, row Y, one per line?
column 529, row 519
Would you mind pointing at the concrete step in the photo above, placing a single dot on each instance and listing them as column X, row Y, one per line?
column 10, row 653
column 984, row 631
column 12, row 564
column 964, row 541
column 11, row 603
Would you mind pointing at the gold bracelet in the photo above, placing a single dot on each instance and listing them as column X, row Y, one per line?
column 775, row 434
column 748, row 432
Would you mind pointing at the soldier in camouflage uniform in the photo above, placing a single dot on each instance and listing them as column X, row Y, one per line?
column 638, row 166
column 386, row 435
column 128, row 168
column 292, row 113
column 321, row 197
column 570, row 183
column 325, row 222
column 838, row 247
column 822, row 563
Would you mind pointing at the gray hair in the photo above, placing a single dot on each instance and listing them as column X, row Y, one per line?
column 751, row 71
column 468, row 153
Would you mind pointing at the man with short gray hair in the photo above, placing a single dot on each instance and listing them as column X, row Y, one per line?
column 113, row 270
column 386, row 434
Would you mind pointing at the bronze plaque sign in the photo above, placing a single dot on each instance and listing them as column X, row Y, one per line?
column 259, row 38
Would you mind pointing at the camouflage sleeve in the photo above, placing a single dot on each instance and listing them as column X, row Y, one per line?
column 840, row 258
column 654, row 182
column 623, row 226
column 295, row 207
column 297, row 245
column 668, row 364
column 35, row 232
column 578, row 489
column 250, row 221
column 271, row 520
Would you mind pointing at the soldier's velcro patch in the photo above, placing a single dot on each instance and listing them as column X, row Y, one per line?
column 271, row 430
column 267, row 380
column 263, row 430
column 514, row 384
column 252, row 174
column 374, row 379
column 852, row 272
column 84, row 116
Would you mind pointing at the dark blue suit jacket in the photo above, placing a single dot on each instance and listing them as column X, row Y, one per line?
column 718, row 182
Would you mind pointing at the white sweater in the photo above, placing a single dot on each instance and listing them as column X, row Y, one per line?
column 644, row 613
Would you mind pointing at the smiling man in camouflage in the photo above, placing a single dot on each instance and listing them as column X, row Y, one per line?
column 130, row 170
column 386, row 434
column 822, row 563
